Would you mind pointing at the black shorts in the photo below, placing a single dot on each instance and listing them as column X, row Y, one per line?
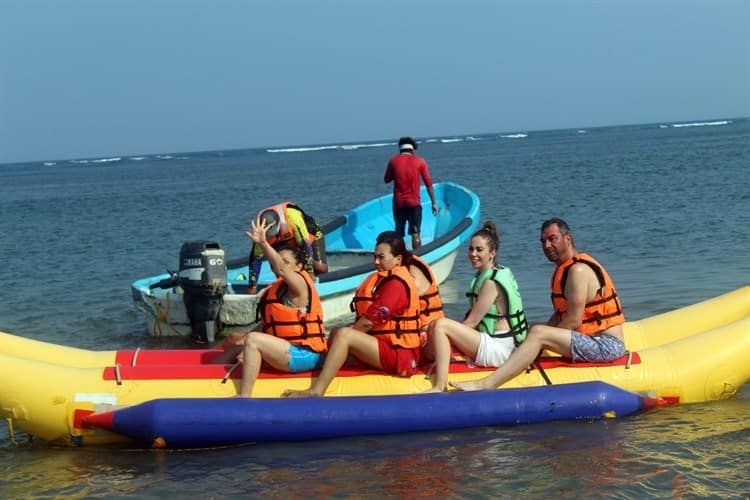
column 411, row 214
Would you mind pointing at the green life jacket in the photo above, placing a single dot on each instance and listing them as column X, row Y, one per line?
column 503, row 276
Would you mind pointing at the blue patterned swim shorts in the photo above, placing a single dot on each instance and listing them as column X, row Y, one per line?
column 599, row 348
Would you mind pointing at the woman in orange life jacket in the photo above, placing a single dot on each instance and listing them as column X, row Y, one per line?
column 495, row 322
column 293, row 337
column 431, row 304
column 385, row 334
column 586, row 325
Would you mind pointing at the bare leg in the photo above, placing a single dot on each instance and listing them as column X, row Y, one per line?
column 416, row 241
column 442, row 347
column 344, row 340
column 231, row 339
column 540, row 337
column 445, row 333
column 259, row 347
column 229, row 355
column 251, row 362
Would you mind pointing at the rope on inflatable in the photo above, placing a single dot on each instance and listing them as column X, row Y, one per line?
column 162, row 315
column 11, row 435
column 12, row 432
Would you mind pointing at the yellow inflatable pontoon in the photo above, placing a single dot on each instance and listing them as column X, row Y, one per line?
column 693, row 354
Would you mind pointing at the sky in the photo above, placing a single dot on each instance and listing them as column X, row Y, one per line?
column 109, row 78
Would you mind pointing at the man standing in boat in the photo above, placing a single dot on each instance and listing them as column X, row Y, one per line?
column 586, row 325
column 405, row 170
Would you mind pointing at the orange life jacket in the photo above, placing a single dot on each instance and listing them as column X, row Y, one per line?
column 401, row 330
column 285, row 234
column 290, row 323
column 430, row 303
column 602, row 312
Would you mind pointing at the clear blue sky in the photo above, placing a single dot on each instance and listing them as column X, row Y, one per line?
column 98, row 78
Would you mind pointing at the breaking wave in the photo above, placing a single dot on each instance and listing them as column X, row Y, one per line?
column 697, row 124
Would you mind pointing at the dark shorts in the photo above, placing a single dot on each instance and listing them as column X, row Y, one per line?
column 411, row 214
column 397, row 360
column 599, row 348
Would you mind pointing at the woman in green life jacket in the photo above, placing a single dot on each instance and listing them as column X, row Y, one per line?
column 495, row 323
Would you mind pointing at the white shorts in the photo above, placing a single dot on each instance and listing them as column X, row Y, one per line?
column 493, row 351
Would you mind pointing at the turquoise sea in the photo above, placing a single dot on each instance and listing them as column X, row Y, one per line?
column 665, row 206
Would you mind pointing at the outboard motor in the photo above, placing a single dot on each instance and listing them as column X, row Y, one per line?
column 203, row 278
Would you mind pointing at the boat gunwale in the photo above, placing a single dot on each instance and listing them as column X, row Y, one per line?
column 367, row 268
column 143, row 285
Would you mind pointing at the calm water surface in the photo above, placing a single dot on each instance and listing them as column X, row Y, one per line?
column 667, row 209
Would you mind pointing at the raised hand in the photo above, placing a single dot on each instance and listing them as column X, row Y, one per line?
column 260, row 229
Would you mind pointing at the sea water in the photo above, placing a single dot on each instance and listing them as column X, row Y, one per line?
column 666, row 207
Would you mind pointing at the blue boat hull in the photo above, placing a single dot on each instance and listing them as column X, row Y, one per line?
column 210, row 422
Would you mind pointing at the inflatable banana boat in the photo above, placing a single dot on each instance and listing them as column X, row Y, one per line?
column 202, row 422
column 693, row 354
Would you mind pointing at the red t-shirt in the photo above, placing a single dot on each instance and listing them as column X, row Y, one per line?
column 404, row 170
column 390, row 299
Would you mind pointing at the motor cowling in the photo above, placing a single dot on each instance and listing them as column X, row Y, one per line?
column 203, row 278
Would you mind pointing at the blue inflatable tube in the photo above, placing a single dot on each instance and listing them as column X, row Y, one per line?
column 209, row 422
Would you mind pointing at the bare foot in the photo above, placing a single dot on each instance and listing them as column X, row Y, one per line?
column 470, row 385
column 307, row 393
column 434, row 389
